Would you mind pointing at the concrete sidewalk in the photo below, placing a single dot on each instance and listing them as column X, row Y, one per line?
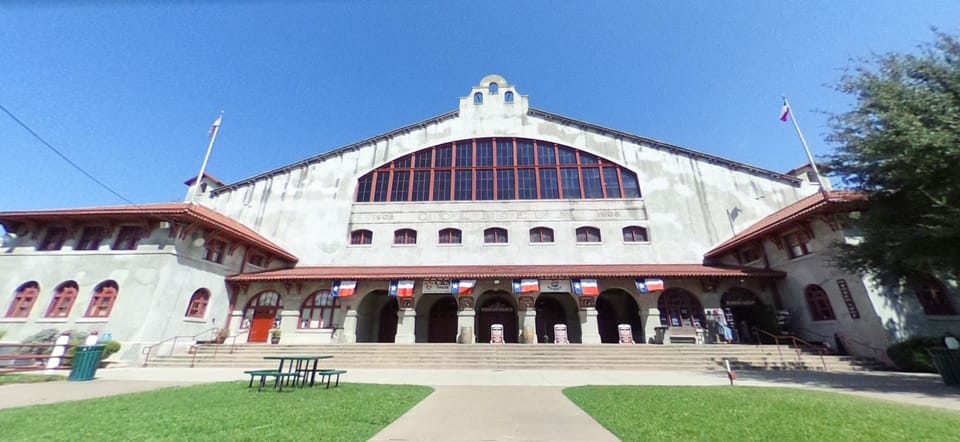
column 502, row 413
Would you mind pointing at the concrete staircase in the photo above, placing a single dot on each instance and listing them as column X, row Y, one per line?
column 516, row 356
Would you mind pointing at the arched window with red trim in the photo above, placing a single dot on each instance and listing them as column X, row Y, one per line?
column 64, row 296
column 23, row 299
column 819, row 303
column 450, row 236
column 104, row 296
column 541, row 235
column 197, row 308
column 495, row 235
column 588, row 234
column 318, row 310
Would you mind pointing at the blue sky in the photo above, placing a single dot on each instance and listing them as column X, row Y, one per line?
column 129, row 91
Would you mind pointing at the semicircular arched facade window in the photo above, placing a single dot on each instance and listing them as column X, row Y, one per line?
column 502, row 169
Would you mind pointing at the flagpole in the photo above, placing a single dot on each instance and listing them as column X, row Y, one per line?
column 203, row 167
column 806, row 149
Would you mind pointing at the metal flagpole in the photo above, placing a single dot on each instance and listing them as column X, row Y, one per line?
column 213, row 137
column 816, row 171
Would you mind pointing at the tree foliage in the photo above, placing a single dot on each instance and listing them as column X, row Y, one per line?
column 900, row 145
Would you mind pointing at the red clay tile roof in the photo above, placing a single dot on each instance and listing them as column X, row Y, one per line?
column 181, row 212
column 810, row 205
column 205, row 175
column 506, row 271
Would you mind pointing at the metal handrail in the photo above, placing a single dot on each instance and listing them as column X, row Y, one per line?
column 148, row 349
column 795, row 340
column 878, row 353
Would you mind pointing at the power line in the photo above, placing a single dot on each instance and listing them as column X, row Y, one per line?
column 61, row 155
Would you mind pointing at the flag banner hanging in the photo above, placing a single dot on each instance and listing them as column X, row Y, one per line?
column 436, row 286
column 342, row 289
column 526, row 285
column 462, row 286
column 649, row 285
column 587, row 287
column 402, row 288
column 785, row 112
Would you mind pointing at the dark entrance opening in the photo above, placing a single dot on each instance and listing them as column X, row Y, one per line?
column 549, row 314
column 744, row 313
column 497, row 310
column 388, row 321
column 442, row 325
column 614, row 308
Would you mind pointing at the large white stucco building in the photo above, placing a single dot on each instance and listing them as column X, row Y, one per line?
column 494, row 213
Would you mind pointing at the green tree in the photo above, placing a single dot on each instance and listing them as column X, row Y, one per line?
column 900, row 146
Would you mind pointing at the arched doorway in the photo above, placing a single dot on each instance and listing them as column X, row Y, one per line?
column 497, row 308
column 388, row 321
column 617, row 307
column 442, row 325
column 549, row 314
column 744, row 312
column 261, row 314
column 680, row 308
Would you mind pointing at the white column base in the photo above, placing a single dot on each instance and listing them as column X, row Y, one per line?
column 406, row 326
column 466, row 319
column 589, row 332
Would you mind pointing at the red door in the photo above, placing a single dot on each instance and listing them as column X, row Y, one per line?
column 262, row 323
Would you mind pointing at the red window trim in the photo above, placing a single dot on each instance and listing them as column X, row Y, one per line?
column 197, row 307
column 57, row 301
column 20, row 306
column 98, row 299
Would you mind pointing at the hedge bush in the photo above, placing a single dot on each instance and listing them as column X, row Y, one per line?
column 911, row 355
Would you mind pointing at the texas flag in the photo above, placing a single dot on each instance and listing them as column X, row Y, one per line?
column 462, row 286
column 649, row 285
column 526, row 285
column 402, row 288
column 586, row 287
column 342, row 289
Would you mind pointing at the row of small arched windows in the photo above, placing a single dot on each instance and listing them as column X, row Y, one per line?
column 493, row 89
column 64, row 296
column 499, row 235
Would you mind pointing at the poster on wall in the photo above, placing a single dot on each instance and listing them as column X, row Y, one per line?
column 436, row 286
column 555, row 286
column 848, row 299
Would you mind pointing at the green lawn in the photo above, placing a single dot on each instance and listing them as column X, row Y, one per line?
column 757, row 413
column 20, row 378
column 223, row 411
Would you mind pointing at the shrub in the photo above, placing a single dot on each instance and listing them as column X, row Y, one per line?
column 46, row 336
column 110, row 347
column 911, row 355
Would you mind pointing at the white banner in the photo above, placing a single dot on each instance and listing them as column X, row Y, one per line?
column 555, row 286
column 436, row 286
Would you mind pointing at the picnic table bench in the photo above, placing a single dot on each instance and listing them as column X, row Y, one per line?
column 280, row 378
column 328, row 373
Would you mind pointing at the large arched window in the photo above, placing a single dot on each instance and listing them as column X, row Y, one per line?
column 635, row 234
column 819, row 303
column 317, row 310
column 104, row 296
column 63, row 297
column 495, row 235
column 359, row 237
column 450, row 236
column 500, row 169
column 680, row 308
column 405, row 236
column 588, row 234
column 197, row 307
column 934, row 297
column 23, row 300
column 541, row 235
column 269, row 303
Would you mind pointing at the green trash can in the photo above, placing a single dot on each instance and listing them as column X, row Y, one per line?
column 85, row 362
column 948, row 364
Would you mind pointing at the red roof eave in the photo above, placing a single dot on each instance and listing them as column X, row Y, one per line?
column 506, row 271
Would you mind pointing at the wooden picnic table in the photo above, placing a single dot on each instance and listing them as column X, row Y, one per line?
column 299, row 364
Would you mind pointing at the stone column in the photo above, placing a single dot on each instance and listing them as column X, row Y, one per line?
column 466, row 319
column 527, row 320
column 347, row 334
column 589, row 332
column 650, row 318
column 406, row 326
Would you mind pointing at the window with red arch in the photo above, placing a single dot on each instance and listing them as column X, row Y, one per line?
column 104, row 296
column 819, row 303
column 64, row 296
column 497, row 169
column 23, row 299
column 495, row 235
column 197, row 308
column 541, row 235
column 361, row 237
column 405, row 236
column 450, row 236
column 680, row 308
column 635, row 234
column 588, row 234
column 268, row 300
column 318, row 310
